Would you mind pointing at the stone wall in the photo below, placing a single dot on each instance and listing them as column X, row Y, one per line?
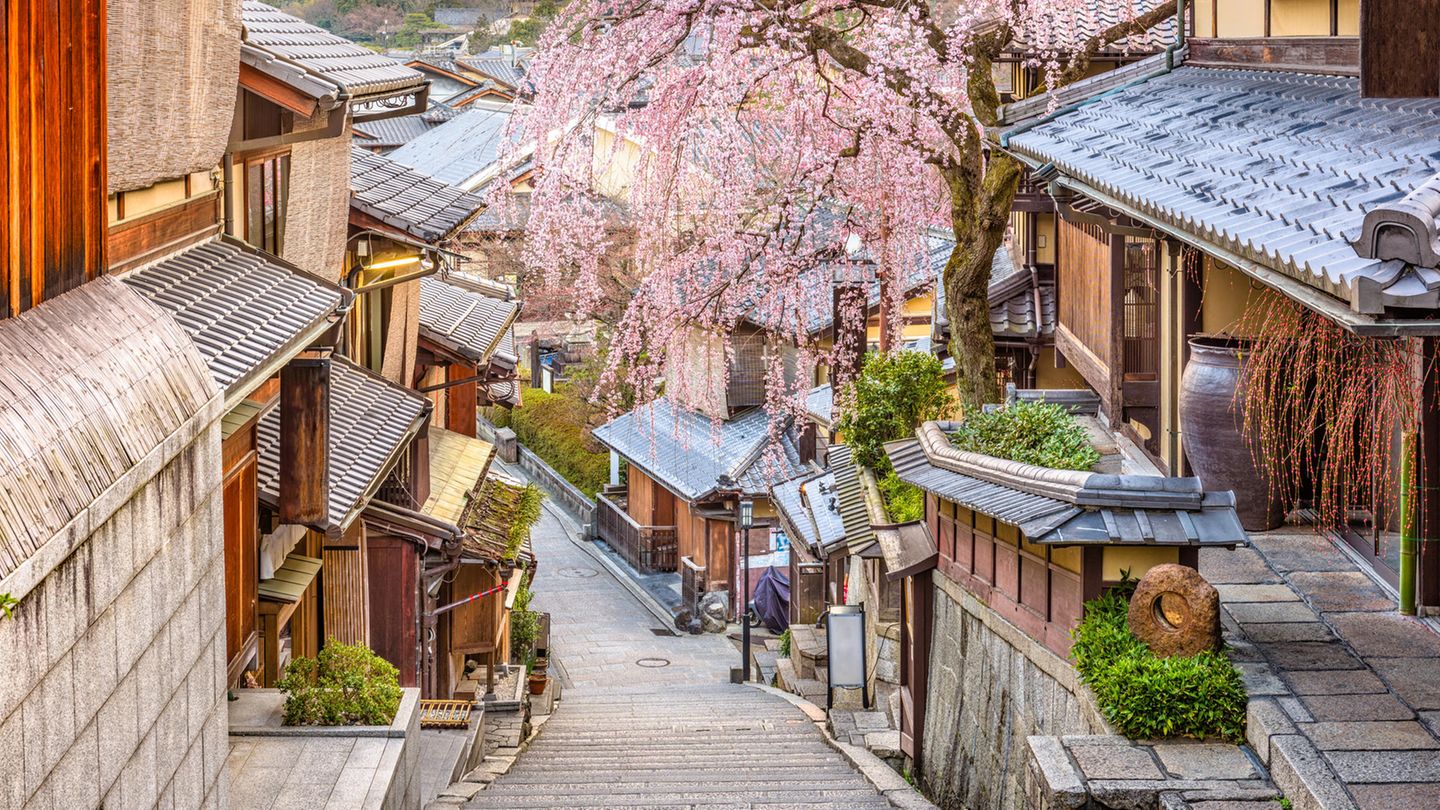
column 991, row 686
column 113, row 688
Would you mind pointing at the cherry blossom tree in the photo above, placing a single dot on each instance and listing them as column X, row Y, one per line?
column 765, row 148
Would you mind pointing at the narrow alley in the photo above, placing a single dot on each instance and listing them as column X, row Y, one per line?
column 649, row 719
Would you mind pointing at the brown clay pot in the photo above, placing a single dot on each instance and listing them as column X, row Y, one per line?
column 1210, row 426
column 536, row 682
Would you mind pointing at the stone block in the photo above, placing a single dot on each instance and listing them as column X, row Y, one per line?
column 1235, row 566
column 1247, row 613
column 134, row 623
column 188, row 783
column 1386, row 635
column 1119, row 761
column 172, row 739
column 17, row 648
column 1357, row 707
column 1386, row 766
column 200, row 694
column 1415, row 680
column 1300, row 772
column 138, row 778
column 1295, row 709
column 1385, row 797
column 153, row 670
column 1331, row 682
column 73, row 780
column 118, row 726
column 1300, row 552
column 1260, row 680
column 1369, row 735
column 1331, row 591
column 215, row 743
column 1263, row 720
column 94, row 659
column 49, row 720
column 60, row 607
column 1301, row 655
column 12, row 763
column 1278, row 592
column 1205, row 761
column 1270, row 632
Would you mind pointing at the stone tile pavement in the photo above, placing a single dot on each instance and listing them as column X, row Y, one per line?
column 1345, row 692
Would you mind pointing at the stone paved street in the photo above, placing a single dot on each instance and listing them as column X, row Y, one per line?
column 1345, row 692
column 651, row 720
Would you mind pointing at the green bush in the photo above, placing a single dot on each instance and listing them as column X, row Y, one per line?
column 784, row 651
column 904, row 502
column 1034, row 433
column 527, row 512
column 553, row 427
column 894, row 395
column 7, row 603
column 1146, row 697
column 346, row 685
column 524, row 623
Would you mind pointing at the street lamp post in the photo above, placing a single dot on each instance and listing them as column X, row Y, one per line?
column 747, row 517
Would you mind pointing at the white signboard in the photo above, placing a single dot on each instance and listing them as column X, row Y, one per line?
column 845, row 636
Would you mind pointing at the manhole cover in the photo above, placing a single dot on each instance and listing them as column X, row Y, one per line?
column 576, row 573
column 653, row 663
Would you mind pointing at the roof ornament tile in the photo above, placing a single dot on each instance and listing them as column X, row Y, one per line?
column 1407, row 230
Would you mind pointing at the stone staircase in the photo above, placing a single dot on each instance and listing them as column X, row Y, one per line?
column 686, row 746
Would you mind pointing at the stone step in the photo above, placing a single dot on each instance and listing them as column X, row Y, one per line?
column 497, row 796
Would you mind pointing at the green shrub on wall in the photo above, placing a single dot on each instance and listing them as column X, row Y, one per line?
column 552, row 426
column 894, row 394
column 904, row 502
column 1146, row 697
column 1037, row 433
column 346, row 685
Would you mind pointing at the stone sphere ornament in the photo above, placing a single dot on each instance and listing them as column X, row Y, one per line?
column 1175, row 611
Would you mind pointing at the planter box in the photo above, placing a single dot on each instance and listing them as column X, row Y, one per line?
column 373, row 767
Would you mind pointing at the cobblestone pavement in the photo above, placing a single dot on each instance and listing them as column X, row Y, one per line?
column 1345, row 692
column 649, row 720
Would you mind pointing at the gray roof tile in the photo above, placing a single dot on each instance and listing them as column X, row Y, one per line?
column 371, row 421
column 503, row 68
column 389, row 133
column 1012, row 301
column 240, row 306
column 460, row 149
column 1277, row 167
column 333, row 59
column 407, row 199
column 463, row 318
column 812, row 507
column 850, row 491
column 688, row 451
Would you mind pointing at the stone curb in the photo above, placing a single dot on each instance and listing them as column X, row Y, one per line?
column 492, row 767
column 890, row 784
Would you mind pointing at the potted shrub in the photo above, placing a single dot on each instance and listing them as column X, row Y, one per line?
column 346, row 685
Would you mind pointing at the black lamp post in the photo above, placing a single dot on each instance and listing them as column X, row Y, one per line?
column 747, row 517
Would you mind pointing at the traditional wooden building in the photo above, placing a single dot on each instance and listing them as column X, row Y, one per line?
column 1222, row 208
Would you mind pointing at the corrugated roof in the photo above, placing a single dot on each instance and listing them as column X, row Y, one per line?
column 371, row 421
column 91, row 382
column 689, row 452
column 457, row 464
column 320, row 54
column 1277, row 167
column 850, row 491
column 404, row 198
column 243, row 308
column 461, row 149
column 463, row 319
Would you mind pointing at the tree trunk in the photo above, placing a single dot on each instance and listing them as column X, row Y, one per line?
column 979, row 218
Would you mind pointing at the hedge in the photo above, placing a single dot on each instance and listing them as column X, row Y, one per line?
column 552, row 426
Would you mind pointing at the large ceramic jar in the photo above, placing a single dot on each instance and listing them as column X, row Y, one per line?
column 1210, row 429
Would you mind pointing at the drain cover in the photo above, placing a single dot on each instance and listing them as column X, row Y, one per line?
column 576, row 573
column 653, row 663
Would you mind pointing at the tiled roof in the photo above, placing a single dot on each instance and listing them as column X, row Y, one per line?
column 448, row 15
column 242, row 308
column 290, row 42
column 1278, row 168
column 850, row 490
column 441, row 60
column 406, row 199
column 372, row 420
column 1060, row 507
column 464, row 319
column 461, row 149
column 820, row 403
column 689, row 452
column 1089, row 18
column 812, row 507
column 389, row 133
column 503, row 68
column 1012, row 302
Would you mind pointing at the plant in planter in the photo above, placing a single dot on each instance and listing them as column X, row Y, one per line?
column 346, row 685
column 1036, row 433
column 894, row 394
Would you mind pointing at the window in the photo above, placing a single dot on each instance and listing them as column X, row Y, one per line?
column 1142, row 304
column 267, row 190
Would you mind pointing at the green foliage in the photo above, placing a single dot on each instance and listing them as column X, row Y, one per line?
column 904, row 502
column 527, row 512
column 553, row 426
column 895, row 393
column 1285, row 804
column 346, row 685
column 1037, row 433
column 785, row 643
column 524, row 624
column 7, row 603
column 1146, row 697
column 415, row 22
column 527, row 30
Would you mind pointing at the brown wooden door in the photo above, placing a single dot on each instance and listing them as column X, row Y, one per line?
column 241, row 561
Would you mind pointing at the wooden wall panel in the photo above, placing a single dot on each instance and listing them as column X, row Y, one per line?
column 241, row 562
column 461, row 400
column 1083, row 281
column 346, row 588
column 1400, row 48
column 52, row 159
column 394, row 573
column 131, row 243
column 640, row 504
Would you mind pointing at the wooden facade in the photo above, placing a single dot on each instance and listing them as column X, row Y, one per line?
column 395, row 611
column 52, row 164
column 345, row 581
column 242, row 537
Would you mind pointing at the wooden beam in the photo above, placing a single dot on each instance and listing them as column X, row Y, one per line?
column 274, row 90
column 1333, row 56
column 1400, row 49
column 304, row 439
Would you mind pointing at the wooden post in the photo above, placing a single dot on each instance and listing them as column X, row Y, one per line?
column 304, row 439
column 1427, row 470
column 1400, row 48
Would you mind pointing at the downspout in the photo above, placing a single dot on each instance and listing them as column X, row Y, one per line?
column 1408, row 543
column 1179, row 24
column 227, row 201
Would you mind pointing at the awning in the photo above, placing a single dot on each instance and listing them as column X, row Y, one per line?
column 462, row 319
column 403, row 198
column 908, row 549
column 372, row 422
column 291, row 579
column 247, row 312
column 494, row 511
column 458, row 464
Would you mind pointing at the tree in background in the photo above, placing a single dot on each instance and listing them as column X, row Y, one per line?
column 895, row 394
column 415, row 22
column 785, row 140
